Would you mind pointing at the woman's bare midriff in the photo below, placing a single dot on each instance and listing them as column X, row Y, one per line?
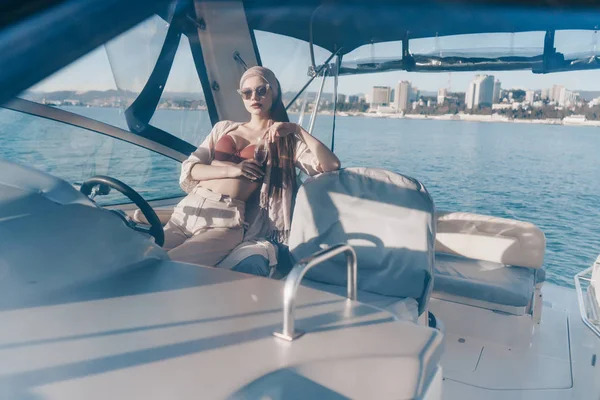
column 237, row 188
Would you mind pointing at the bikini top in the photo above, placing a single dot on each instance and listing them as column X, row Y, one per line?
column 225, row 150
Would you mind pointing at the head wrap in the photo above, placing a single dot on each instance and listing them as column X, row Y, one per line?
column 278, row 113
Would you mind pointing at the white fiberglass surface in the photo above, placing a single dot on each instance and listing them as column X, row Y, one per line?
column 497, row 356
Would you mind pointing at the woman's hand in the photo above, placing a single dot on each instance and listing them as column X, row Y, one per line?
column 250, row 169
column 281, row 129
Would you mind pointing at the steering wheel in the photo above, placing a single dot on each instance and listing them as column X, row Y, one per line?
column 106, row 182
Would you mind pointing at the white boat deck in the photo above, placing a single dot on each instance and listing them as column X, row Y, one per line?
column 497, row 356
column 181, row 331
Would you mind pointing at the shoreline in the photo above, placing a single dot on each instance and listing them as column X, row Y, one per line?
column 494, row 118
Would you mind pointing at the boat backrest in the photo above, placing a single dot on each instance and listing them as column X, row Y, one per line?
column 389, row 220
column 482, row 237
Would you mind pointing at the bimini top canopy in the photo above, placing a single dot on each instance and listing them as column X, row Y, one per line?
column 350, row 24
column 343, row 27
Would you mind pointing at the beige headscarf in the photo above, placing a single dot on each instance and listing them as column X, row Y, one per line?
column 275, row 211
column 278, row 113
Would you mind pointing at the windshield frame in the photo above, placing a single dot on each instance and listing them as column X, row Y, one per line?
column 92, row 125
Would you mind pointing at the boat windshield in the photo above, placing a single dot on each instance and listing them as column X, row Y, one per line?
column 101, row 87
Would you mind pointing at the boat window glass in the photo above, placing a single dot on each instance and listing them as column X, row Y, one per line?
column 112, row 77
column 85, row 87
column 290, row 59
column 182, row 109
column 75, row 154
column 576, row 42
column 481, row 44
column 133, row 55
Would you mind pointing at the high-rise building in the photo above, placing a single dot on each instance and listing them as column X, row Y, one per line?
column 380, row 96
column 353, row 99
column 566, row 98
column 497, row 91
column 470, row 96
column 555, row 93
column 486, row 91
column 529, row 95
column 442, row 94
column 341, row 98
column 402, row 96
column 545, row 94
column 480, row 92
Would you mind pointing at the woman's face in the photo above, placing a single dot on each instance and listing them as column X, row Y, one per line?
column 257, row 104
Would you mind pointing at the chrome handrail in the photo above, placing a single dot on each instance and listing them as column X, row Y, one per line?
column 593, row 325
column 313, row 117
column 295, row 277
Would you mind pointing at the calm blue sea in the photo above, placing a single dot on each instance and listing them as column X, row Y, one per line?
column 548, row 175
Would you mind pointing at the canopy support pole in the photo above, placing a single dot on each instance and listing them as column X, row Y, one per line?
column 313, row 117
column 549, row 50
column 338, row 62
column 408, row 62
column 313, row 74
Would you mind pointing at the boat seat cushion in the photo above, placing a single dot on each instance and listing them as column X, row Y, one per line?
column 253, row 265
column 256, row 257
column 483, row 280
column 483, row 237
column 387, row 218
column 404, row 309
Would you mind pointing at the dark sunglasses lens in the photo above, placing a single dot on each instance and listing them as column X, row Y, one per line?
column 246, row 94
column 261, row 91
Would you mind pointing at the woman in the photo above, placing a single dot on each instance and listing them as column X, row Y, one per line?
column 221, row 177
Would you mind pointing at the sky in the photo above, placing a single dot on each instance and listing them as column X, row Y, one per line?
column 289, row 58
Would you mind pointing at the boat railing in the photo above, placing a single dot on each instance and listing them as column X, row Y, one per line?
column 587, row 298
column 295, row 276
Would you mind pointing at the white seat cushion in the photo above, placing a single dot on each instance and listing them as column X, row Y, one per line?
column 484, row 281
column 387, row 218
column 257, row 257
column 405, row 309
column 482, row 237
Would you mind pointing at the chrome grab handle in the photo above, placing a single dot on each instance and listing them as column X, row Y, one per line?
column 295, row 277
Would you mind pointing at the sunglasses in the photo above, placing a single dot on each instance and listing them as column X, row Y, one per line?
column 261, row 91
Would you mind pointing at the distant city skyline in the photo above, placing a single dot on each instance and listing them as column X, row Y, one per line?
column 484, row 91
